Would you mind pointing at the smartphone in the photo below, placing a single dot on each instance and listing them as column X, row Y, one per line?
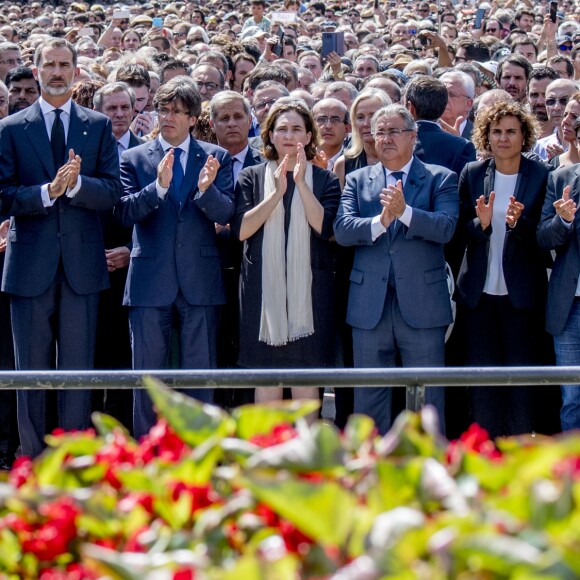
column 157, row 22
column 332, row 42
column 86, row 31
column 277, row 50
column 554, row 11
column 376, row 4
column 424, row 41
column 121, row 14
column 393, row 4
column 479, row 18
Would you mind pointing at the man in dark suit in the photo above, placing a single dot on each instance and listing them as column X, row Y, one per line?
column 398, row 213
column 113, row 348
column 58, row 169
column 176, row 189
column 558, row 231
column 426, row 99
column 231, row 119
column 460, row 94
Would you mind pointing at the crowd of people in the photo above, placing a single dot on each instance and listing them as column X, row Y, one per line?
column 259, row 184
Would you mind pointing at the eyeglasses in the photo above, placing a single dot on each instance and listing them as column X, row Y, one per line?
column 412, row 31
column 456, row 96
column 180, row 34
column 565, row 47
column 488, row 29
column 391, row 133
column 165, row 112
column 261, row 106
column 332, row 120
column 562, row 101
column 12, row 61
column 207, row 86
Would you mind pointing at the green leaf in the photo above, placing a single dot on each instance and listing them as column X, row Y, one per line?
column 358, row 431
column 107, row 425
column 322, row 511
column 193, row 421
column 261, row 419
column 10, row 551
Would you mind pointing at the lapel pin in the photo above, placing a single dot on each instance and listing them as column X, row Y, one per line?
column 84, row 132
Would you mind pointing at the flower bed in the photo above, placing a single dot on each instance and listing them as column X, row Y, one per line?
column 260, row 494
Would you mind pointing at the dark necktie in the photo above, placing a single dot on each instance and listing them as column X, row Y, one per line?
column 177, row 181
column 57, row 140
column 397, row 175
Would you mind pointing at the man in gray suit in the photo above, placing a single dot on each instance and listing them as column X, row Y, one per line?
column 58, row 169
column 398, row 213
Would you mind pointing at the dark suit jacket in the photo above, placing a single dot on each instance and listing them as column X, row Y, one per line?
column 69, row 230
column 524, row 264
column 415, row 252
column 253, row 157
column 554, row 235
column 437, row 147
column 174, row 248
column 467, row 130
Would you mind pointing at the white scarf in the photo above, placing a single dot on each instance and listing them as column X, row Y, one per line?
column 286, row 277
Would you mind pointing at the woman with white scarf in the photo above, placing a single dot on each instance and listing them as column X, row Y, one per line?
column 285, row 209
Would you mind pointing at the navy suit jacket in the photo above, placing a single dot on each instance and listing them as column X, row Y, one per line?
column 524, row 264
column 415, row 252
column 69, row 230
column 554, row 235
column 174, row 248
column 467, row 130
column 436, row 146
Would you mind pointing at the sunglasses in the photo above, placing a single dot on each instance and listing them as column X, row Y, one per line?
column 552, row 102
column 565, row 47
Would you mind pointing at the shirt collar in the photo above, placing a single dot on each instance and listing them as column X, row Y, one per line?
column 46, row 107
column 124, row 139
column 241, row 156
column 184, row 146
column 405, row 169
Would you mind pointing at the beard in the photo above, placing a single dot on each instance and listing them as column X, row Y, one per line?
column 54, row 91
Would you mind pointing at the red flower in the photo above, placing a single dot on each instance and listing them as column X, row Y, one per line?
column 296, row 542
column 475, row 439
column 119, row 453
column 73, row 572
column 163, row 443
column 132, row 500
column 281, row 433
column 569, row 466
column 20, row 472
column 202, row 496
column 184, row 574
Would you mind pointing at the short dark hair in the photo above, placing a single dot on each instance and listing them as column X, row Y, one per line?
column 135, row 75
column 474, row 50
column 564, row 59
column 429, row 97
column 525, row 41
column 172, row 64
column 179, row 89
column 272, row 72
column 516, row 60
column 278, row 109
column 542, row 72
column 20, row 73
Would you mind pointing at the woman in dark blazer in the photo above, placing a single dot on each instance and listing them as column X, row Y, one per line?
column 285, row 210
column 502, row 283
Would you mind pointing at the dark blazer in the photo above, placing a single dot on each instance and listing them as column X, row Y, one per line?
column 174, row 248
column 253, row 157
column 437, row 147
column 68, row 231
column 553, row 234
column 524, row 263
column 467, row 130
column 415, row 252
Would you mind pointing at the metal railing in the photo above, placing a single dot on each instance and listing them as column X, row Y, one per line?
column 415, row 380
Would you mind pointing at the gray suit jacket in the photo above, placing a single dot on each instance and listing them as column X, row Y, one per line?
column 414, row 252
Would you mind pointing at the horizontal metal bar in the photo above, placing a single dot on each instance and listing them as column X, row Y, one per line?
column 239, row 378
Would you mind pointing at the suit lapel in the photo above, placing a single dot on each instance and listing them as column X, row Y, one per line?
column 195, row 161
column 78, row 131
column 489, row 179
column 522, row 181
column 35, row 130
column 414, row 182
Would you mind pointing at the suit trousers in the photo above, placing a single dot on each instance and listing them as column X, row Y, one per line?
column 151, row 330
column 59, row 318
column 391, row 341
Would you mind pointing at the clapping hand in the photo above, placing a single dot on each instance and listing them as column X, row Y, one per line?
column 566, row 207
column 484, row 211
column 208, row 173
